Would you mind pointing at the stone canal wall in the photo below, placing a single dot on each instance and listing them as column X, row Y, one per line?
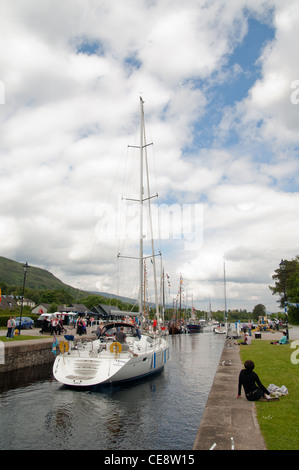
column 229, row 422
column 22, row 354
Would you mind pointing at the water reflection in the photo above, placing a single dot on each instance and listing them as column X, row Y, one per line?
column 160, row 412
column 24, row 377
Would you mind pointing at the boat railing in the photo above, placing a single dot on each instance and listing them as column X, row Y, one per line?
column 133, row 345
column 77, row 346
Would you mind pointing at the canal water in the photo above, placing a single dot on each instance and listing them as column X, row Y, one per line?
column 162, row 412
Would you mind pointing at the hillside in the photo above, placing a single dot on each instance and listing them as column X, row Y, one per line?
column 12, row 273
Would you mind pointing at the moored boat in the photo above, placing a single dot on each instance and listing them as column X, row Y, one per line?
column 194, row 328
column 220, row 330
column 106, row 360
column 115, row 357
column 174, row 329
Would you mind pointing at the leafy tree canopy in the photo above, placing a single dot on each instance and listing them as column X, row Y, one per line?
column 286, row 279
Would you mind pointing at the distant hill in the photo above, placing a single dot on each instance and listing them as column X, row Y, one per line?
column 126, row 300
column 12, row 273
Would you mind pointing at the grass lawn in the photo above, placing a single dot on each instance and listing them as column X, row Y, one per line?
column 21, row 337
column 279, row 421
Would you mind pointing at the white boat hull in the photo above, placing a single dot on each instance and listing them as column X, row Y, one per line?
column 91, row 366
column 220, row 331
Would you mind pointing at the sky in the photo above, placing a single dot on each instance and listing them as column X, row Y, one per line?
column 220, row 85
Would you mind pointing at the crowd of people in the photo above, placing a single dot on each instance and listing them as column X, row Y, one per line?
column 56, row 325
column 248, row 379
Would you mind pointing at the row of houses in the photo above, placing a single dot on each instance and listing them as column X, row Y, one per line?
column 10, row 302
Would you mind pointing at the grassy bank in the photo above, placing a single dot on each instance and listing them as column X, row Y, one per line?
column 278, row 420
column 22, row 338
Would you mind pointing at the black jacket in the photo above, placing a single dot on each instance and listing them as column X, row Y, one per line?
column 250, row 382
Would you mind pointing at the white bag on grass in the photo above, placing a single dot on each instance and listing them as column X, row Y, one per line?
column 277, row 391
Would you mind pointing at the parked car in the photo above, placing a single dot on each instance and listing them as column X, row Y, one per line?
column 26, row 322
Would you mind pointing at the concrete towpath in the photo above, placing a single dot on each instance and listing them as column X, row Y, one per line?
column 229, row 422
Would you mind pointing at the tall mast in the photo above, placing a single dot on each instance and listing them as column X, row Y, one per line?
column 181, row 281
column 141, row 200
column 225, row 306
column 141, row 212
column 163, row 297
column 153, row 260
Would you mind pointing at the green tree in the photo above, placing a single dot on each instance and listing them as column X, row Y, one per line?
column 3, row 287
column 49, row 297
column 53, row 308
column 258, row 311
column 287, row 287
column 293, row 296
column 64, row 297
column 26, row 311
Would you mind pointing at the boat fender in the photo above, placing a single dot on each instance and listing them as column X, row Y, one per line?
column 64, row 346
column 115, row 347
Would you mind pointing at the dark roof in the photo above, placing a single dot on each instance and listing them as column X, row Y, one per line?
column 103, row 309
column 76, row 308
column 8, row 301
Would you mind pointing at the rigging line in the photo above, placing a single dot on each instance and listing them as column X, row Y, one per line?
column 129, row 176
column 96, row 238
column 86, row 267
column 128, row 173
column 148, row 127
column 127, row 184
column 112, row 191
column 152, row 235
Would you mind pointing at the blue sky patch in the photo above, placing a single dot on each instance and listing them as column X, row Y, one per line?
column 90, row 47
column 240, row 73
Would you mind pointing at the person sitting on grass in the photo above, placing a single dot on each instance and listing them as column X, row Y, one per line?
column 254, row 389
column 283, row 339
column 247, row 340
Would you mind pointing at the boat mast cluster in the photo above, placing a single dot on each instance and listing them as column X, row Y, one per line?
column 143, row 165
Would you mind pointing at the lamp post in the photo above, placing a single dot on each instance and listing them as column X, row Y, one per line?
column 282, row 266
column 25, row 267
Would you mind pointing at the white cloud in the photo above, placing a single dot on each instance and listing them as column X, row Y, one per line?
column 269, row 101
column 72, row 73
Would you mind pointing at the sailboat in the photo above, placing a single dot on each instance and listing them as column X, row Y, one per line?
column 222, row 329
column 109, row 359
column 193, row 325
column 175, row 325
